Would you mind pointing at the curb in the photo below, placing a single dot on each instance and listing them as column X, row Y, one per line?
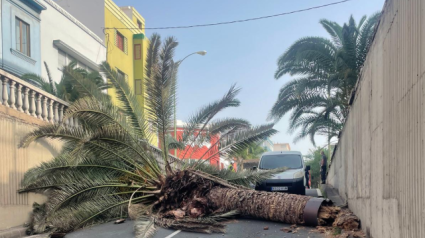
column 332, row 194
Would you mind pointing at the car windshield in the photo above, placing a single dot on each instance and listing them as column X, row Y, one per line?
column 281, row 160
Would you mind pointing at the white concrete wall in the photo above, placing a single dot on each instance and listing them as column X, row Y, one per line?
column 57, row 24
column 379, row 163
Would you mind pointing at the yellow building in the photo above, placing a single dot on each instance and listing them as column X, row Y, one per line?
column 121, row 26
column 124, row 38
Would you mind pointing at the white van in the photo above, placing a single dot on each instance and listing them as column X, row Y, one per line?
column 292, row 180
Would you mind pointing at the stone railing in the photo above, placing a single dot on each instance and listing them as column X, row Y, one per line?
column 22, row 96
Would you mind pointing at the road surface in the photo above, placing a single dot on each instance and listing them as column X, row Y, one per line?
column 241, row 228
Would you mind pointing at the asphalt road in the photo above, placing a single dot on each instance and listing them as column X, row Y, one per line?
column 241, row 228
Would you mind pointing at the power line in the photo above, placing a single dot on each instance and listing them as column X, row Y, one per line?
column 236, row 21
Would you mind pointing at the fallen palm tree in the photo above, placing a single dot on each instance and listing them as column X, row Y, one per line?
column 108, row 169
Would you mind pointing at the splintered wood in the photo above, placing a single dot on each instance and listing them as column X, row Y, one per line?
column 347, row 220
column 327, row 215
column 338, row 217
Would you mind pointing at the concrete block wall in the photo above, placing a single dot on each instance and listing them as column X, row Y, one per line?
column 379, row 164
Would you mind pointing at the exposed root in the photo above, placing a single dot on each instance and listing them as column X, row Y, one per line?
column 327, row 215
column 184, row 195
column 347, row 220
column 337, row 217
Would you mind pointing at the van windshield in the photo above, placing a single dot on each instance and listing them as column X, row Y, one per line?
column 281, row 160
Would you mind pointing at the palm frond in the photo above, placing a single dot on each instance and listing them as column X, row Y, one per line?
column 222, row 125
column 144, row 227
column 153, row 54
column 160, row 92
column 245, row 178
column 200, row 120
column 127, row 99
column 74, row 80
column 38, row 81
column 239, row 141
column 49, row 76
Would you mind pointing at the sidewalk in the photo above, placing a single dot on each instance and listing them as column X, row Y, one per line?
column 332, row 194
column 14, row 232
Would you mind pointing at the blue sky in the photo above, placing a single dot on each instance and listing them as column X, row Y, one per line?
column 242, row 53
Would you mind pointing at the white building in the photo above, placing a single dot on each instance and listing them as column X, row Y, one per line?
column 64, row 39
column 267, row 144
column 281, row 147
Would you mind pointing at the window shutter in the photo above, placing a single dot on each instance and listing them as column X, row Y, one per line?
column 125, row 45
column 138, row 87
column 115, row 38
column 137, row 52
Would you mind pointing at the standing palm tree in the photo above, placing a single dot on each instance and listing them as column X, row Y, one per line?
column 108, row 169
column 254, row 151
column 65, row 89
column 329, row 70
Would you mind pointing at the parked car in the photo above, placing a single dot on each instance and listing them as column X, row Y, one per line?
column 292, row 180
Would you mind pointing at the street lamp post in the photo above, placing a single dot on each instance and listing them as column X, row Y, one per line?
column 177, row 64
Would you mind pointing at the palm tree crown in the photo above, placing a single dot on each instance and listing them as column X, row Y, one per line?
column 65, row 89
column 328, row 70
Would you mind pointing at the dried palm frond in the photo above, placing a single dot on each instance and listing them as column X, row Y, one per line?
column 144, row 227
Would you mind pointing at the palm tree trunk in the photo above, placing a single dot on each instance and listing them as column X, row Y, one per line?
column 281, row 207
column 241, row 164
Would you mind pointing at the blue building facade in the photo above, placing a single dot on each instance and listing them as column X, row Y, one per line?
column 20, row 36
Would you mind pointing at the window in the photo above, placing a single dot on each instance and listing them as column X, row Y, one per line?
column 71, row 59
column 138, row 87
column 137, row 51
column 61, row 59
column 22, row 37
column 139, row 23
column 121, row 41
column 122, row 75
column 281, row 160
column 65, row 59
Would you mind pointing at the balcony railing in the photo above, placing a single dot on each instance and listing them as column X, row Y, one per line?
column 24, row 97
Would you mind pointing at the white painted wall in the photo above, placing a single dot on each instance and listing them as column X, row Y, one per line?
column 378, row 166
column 57, row 25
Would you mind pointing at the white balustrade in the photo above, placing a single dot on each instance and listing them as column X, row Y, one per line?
column 60, row 112
column 19, row 98
column 12, row 94
column 55, row 113
column 38, row 108
column 28, row 99
column 33, row 109
column 50, row 116
column 44, row 112
column 26, row 105
column 4, row 93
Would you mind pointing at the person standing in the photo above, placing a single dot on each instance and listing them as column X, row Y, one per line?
column 231, row 168
column 307, row 176
column 323, row 166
